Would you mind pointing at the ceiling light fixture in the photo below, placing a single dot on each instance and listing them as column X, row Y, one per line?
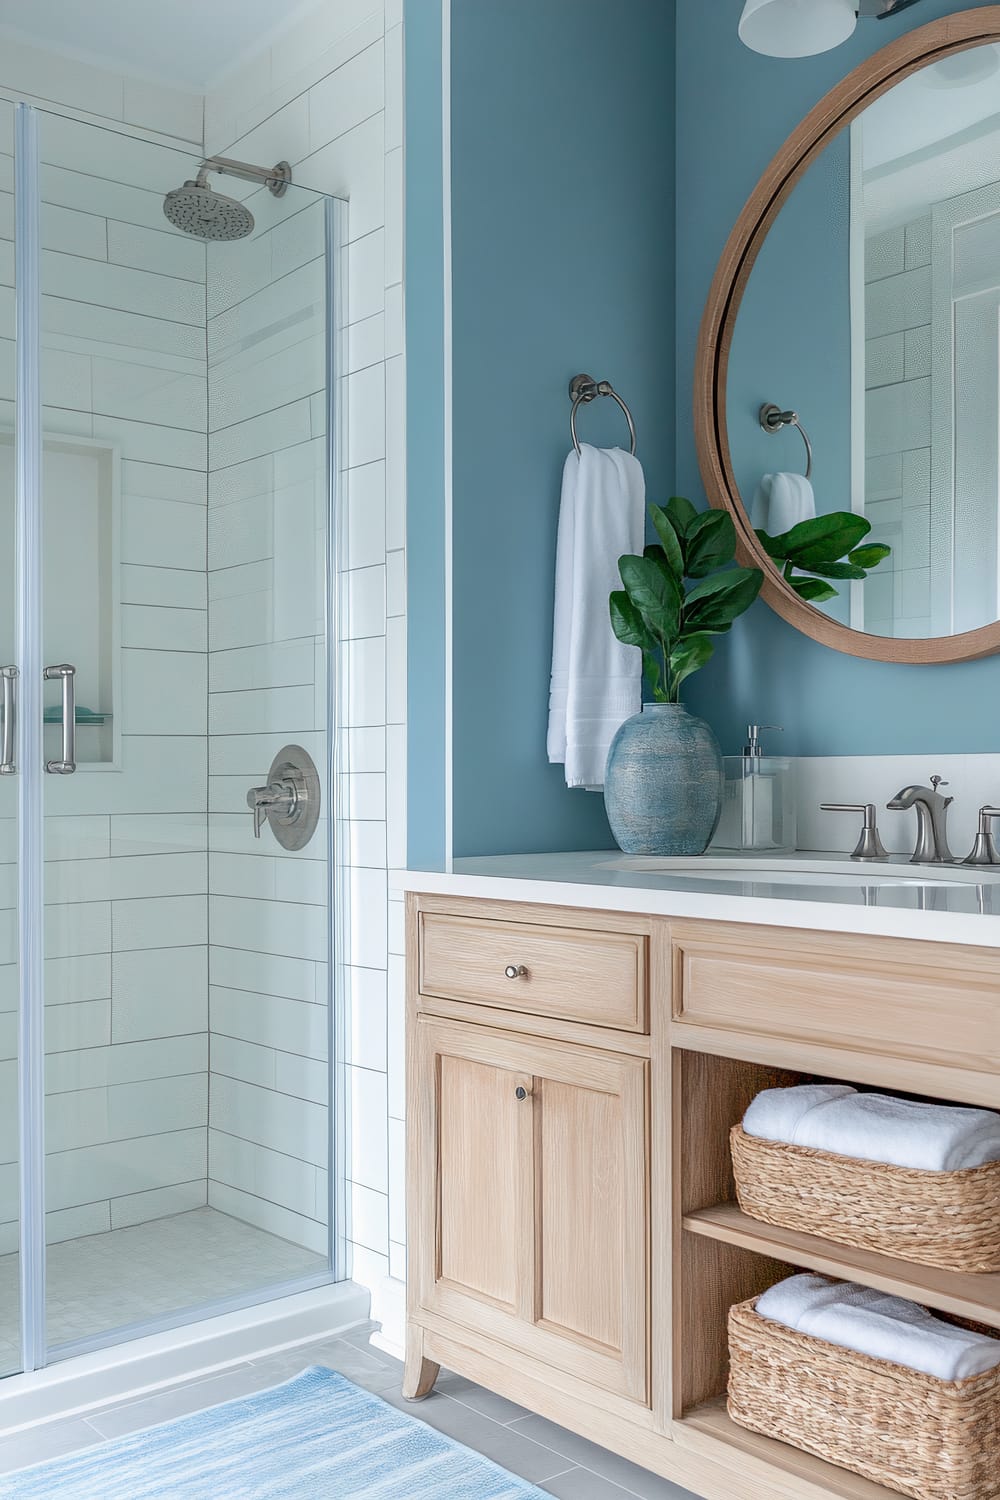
column 801, row 28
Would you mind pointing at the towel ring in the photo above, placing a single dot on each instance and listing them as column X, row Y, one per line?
column 584, row 388
column 773, row 419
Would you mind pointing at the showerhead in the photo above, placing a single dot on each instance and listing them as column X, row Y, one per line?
column 199, row 210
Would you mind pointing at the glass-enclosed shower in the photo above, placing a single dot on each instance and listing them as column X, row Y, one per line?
column 167, row 441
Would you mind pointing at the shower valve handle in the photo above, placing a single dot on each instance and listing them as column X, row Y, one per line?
column 279, row 794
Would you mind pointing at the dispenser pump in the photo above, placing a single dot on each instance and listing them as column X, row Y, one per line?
column 752, row 749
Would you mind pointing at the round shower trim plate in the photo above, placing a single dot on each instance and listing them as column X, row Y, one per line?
column 280, row 178
column 294, row 829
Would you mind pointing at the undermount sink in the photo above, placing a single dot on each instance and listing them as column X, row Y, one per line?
column 809, row 870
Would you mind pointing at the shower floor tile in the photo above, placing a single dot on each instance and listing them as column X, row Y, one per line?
column 148, row 1271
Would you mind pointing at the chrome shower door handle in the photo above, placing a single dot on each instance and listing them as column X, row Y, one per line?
column 67, row 675
column 8, row 678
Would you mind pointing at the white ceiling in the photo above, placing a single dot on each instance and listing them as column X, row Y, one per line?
column 187, row 43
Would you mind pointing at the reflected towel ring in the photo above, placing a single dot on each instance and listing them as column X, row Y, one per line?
column 773, row 419
column 585, row 388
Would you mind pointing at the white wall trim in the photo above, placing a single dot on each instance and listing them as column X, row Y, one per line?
column 446, row 334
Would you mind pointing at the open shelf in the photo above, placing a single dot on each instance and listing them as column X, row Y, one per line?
column 711, row 1420
column 964, row 1293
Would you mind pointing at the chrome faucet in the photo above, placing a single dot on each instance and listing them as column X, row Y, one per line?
column 932, row 821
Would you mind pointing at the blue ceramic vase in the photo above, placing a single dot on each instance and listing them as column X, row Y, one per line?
column 663, row 783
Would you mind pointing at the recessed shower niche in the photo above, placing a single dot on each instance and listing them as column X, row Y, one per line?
column 81, row 519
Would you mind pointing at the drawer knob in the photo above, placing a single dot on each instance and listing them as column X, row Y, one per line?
column 520, row 1092
column 516, row 971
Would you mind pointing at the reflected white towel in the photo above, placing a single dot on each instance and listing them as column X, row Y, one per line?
column 884, row 1327
column 782, row 501
column 596, row 681
column 876, row 1127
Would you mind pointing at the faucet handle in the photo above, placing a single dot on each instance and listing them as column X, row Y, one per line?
column 984, row 850
column 869, row 845
column 937, row 781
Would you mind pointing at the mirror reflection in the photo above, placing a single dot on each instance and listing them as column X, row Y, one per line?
column 872, row 316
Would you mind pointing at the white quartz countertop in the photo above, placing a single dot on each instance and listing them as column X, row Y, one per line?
column 822, row 892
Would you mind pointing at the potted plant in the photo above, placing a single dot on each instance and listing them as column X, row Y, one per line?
column 663, row 784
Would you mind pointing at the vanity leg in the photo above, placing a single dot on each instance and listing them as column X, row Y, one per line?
column 419, row 1374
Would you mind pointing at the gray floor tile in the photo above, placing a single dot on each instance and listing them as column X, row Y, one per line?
column 610, row 1466
column 179, row 1400
column 583, row 1484
column 335, row 1354
column 49, row 1441
column 504, row 1445
column 488, row 1403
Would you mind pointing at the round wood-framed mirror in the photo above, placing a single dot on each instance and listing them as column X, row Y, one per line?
column 925, row 605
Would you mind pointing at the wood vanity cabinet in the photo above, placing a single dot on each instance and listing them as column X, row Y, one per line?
column 574, row 1242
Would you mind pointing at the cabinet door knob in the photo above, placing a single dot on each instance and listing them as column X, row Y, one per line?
column 516, row 971
column 520, row 1092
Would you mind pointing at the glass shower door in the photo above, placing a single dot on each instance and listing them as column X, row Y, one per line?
column 10, row 1308
column 185, row 501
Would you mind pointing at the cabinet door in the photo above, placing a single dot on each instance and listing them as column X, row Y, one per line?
column 531, row 1201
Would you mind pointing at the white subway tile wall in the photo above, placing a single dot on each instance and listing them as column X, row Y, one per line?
column 327, row 96
column 187, row 991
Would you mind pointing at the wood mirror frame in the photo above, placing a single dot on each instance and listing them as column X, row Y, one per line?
column 840, row 106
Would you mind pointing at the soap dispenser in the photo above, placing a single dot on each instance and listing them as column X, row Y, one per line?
column 758, row 799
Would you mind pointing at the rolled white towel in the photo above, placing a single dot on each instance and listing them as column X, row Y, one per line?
column 775, row 1113
column 878, row 1127
column 881, row 1326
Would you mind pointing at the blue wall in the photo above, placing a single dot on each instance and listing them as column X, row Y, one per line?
column 562, row 204
column 425, row 538
column 563, row 229
column 734, row 110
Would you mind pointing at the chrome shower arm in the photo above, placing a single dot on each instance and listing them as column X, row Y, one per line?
column 276, row 178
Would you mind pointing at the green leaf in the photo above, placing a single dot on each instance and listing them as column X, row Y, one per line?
column 870, row 556
column 716, row 603
column 654, row 591
column 689, row 655
column 670, row 541
column 833, row 570
column 627, row 623
column 772, row 545
column 710, row 543
column 651, row 667
column 681, row 513
column 813, row 589
column 823, row 539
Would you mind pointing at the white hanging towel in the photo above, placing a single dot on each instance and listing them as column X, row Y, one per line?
column 782, row 501
column 596, row 681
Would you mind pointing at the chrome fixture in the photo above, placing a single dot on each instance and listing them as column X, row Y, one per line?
column 932, row 821
column 801, row 28
column 290, row 801
column 584, row 388
column 773, row 419
column 752, row 750
column 869, row 845
column 65, row 674
column 515, row 971
column 984, row 850
column 8, row 679
column 197, row 209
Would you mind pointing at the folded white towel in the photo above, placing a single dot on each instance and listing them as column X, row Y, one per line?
column 782, row 501
column 884, row 1327
column 877, row 1127
column 775, row 1113
column 596, row 681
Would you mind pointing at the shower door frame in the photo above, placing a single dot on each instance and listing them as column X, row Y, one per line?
column 37, row 1354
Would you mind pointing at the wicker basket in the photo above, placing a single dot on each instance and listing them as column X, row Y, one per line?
column 933, row 1439
column 949, row 1219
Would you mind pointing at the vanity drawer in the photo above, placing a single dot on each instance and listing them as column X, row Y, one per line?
column 927, row 1001
column 569, row 973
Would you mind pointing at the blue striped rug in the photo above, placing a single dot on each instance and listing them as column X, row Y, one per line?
column 317, row 1437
